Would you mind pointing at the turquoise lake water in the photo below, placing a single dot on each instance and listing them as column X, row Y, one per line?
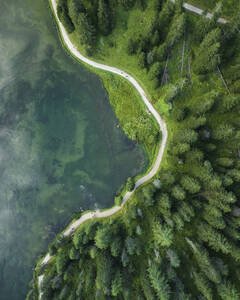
column 60, row 148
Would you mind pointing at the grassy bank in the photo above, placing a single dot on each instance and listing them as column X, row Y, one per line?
column 127, row 104
column 180, row 239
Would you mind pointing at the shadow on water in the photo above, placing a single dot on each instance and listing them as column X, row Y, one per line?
column 60, row 148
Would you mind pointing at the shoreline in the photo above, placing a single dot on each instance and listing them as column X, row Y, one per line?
column 72, row 50
column 162, row 125
column 78, row 56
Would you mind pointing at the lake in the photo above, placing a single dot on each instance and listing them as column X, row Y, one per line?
column 61, row 150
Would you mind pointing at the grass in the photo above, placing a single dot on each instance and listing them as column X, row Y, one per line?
column 111, row 50
column 116, row 56
column 127, row 104
column 124, row 98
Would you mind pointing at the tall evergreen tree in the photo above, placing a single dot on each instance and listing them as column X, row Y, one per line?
column 75, row 7
column 63, row 15
column 208, row 53
column 159, row 282
column 127, row 4
column 86, row 30
column 104, row 17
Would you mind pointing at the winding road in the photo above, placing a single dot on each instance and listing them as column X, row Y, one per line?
column 162, row 125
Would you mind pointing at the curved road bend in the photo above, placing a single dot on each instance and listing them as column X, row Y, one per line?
column 162, row 124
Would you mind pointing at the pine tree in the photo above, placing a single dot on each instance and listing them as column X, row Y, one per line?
column 205, row 25
column 63, row 15
column 178, row 221
column 116, row 246
column 178, row 192
column 215, row 239
column 229, row 102
column 164, row 204
column 104, row 17
column 168, row 177
column 227, row 291
column 103, row 237
column 178, row 114
column 139, row 230
column 159, row 282
column 155, row 40
column 155, row 70
column 203, row 285
column 234, row 174
column 130, row 184
column 157, row 5
column 131, row 47
column 73, row 253
column 161, row 52
column 117, row 284
column 196, row 122
column 64, row 293
column 223, row 132
column 195, row 155
column 210, row 215
column 165, row 16
column 104, row 274
column 173, row 257
column 187, row 136
column 180, row 148
column 130, row 245
column 205, row 103
column 127, row 4
column 223, row 269
column 147, row 288
column 75, row 8
column 148, row 194
column 93, row 251
column 61, row 261
column 124, row 258
column 163, row 235
column 224, row 161
column 179, row 6
column 176, row 30
column 186, row 211
column 46, row 287
column 57, row 281
column 86, row 30
column 78, row 237
column 205, row 263
column 190, row 184
column 226, row 180
column 208, row 53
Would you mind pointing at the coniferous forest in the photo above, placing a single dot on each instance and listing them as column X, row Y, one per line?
column 178, row 237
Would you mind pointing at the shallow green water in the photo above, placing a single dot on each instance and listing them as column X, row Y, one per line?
column 60, row 148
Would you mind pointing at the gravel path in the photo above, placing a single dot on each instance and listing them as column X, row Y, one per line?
column 161, row 123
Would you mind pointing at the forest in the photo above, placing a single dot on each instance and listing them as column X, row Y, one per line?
column 180, row 238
